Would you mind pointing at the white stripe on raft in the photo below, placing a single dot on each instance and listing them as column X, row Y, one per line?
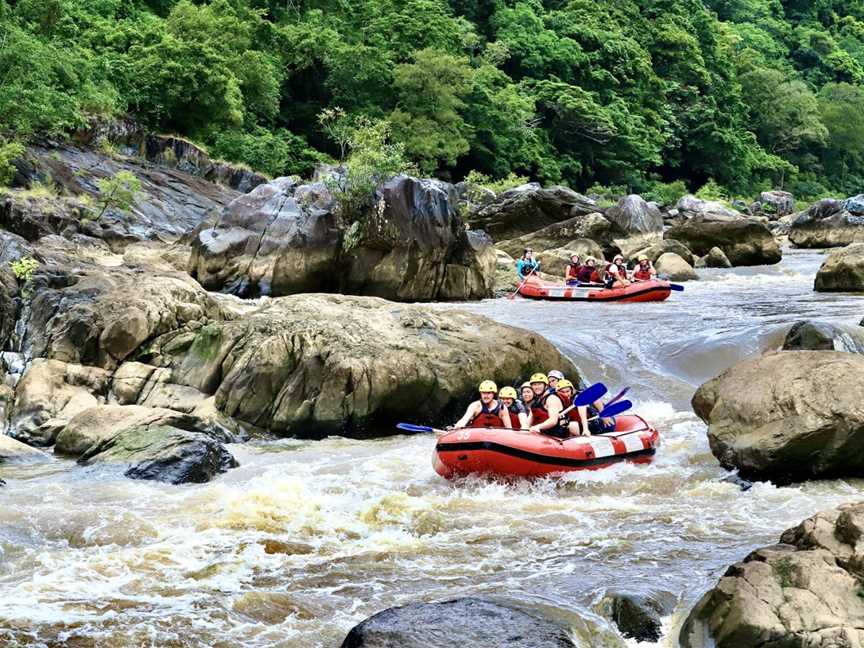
column 633, row 442
column 602, row 447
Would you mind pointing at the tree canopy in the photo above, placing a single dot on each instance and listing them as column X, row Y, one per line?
column 641, row 94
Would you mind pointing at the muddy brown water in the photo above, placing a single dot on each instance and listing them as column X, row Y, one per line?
column 307, row 538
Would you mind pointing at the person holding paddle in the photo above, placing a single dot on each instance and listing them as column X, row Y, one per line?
column 486, row 412
column 576, row 420
column 527, row 264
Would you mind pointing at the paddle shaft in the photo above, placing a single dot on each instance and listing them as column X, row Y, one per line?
column 519, row 287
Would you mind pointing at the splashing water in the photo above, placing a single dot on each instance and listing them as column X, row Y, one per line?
column 305, row 539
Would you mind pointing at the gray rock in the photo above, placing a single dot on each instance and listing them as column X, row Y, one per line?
column 777, row 203
column 744, row 241
column 593, row 226
column 529, row 208
column 635, row 216
column 715, row 259
column 828, row 223
column 653, row 252
column 842, row 271
column 821, row 336
column 690, row 206
column 777, row 417
column 674, row 268
column 473, row 622
column 802, row 593
column 638, row 616
column 855, row 205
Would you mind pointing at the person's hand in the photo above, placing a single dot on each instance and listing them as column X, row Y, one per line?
column 607, row 421
column 450, row 428
column 534, row 428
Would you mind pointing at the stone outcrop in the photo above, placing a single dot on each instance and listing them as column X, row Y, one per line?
column 715, row 258
column 782, row 417
column 474, row 622
column 313, row 365
column 776, row 204
column 744, row 241
column 285, row 238
column 529, row 208
column 589, row 227
column 804, row 592
column 829, row 223
column 555, row 261
column 690, row 206
column 673, row 267
column 842, row 271
column 654, row 251
column 635, row 216
column 822, row 336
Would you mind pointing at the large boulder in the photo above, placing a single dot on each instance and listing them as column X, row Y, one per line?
column 284, row 238
column 638, row 616
column 674, row 268
column 690, row 206
column 829, row 223
column 95, row 315
column 715, row 258
column 744, row 241
column 822, row 336
column 171, row 202
column 842, row 271
column 151, row 443
column 12, row 450
column 787, row 416
column 528, row 208
column 312, row 365
column 776, row 204
column 653, row 252
column 591, row 227
column 636, row 216
column 555, row 261
column 802, row 593
column 464, row 622
column 49, row 394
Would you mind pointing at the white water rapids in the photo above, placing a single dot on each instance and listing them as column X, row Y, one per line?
column 307, row 538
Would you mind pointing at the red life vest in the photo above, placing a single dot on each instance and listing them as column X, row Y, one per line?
column 539, row 413
column 642, row 275
column 572, row 271
column 488, row 418
column 619, row 270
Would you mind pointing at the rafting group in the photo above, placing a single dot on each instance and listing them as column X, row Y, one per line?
column 592, row 273
column 547, row 404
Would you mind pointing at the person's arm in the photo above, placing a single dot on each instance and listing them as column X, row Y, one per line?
column 583, row 420
column 519, row 265
column 524, row 420
column 652, row 271
column 553, row 405
column 598, row 405
column 470, row 413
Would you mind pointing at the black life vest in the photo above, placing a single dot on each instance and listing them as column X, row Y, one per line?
column 539, row 412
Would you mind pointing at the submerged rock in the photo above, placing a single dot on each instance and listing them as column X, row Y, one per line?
column 821, row 336
column 284, row 238
column 313, row 365
column 473, row 622
column 715, row 259
column 842, row 271
column 744, row 241
column 828, row 223
column 637, row 616
column 528, row 208
column 673, row 267
column 802, row 593
column 785, row 417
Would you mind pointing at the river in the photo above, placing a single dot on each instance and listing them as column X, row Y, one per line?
column 307, row 538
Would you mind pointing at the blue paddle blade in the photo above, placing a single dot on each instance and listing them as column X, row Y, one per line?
column 616, row 408
column 409, row 427
column 618, row 396
column 676, row 287
column 590, row 394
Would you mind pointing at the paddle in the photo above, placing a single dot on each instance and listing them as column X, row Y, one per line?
column 676, row 287
column 613, row 410
column 618, row 396
column 513, row 296
column 588, row 396
column 410, row 427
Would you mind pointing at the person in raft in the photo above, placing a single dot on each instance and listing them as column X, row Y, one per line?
column 546, row 408
column 486, row 412
column 571, row 273
column 576, row 420
column 527, row 264
column 513, row 409
column 617, row 273
column 645, row 270
column 588, row 272
column 554, row 376
column 527, row 394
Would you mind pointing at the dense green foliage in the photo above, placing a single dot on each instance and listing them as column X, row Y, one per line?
column 637, row 94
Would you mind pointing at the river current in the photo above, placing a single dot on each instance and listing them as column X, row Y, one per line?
column 307, row 538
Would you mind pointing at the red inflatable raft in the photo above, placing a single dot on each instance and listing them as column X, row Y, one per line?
column 642, row 291
column 519, row 453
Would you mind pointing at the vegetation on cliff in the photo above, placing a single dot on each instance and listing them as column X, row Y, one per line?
column 749, row 93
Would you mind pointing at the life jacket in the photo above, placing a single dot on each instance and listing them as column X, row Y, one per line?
column 585, row 273
column 512, row 413
column 539, row 413
column 642, row 275
column 573, row 270
column 595, row 276
column 619, row 271
column 572, row 415
column 488, row 417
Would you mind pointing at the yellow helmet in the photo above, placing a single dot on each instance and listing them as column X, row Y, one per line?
column 642, row 257
column 564, row 384
column 487, row 386
column 539, row 377
column 507, row 392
